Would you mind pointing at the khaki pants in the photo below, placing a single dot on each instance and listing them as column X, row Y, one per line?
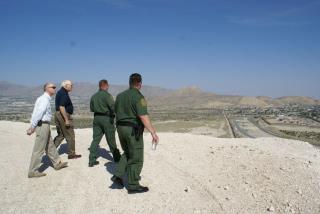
column 43, row 143
column 64, row 132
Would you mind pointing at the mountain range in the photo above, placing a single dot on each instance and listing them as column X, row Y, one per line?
column 191, row 97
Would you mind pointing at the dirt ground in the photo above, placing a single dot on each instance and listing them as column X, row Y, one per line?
column 186, row 174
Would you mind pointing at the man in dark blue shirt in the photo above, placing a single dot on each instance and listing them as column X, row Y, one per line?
column 63, row 119
column 63, row 99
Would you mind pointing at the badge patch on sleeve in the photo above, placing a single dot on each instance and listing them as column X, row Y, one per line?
column 143, row 102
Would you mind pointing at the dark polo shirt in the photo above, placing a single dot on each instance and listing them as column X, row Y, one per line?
column 63, row 99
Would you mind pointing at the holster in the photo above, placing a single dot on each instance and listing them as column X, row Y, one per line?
column 40, row 122
column 137, row 129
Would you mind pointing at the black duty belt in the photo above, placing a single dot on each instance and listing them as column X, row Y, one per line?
column 42, row 122
column 137, row 129
column 126, row 123
column 102, row 114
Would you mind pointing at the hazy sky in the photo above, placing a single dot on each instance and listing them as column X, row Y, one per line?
column 243, row 47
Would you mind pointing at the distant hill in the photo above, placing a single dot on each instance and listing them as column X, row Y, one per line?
column 9, row 89
column 87, row 89
column 80, row 89
column 191, row 97
column 293, row 99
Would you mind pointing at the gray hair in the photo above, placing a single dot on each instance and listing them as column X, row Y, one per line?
column 65, row 83
column 45, row 86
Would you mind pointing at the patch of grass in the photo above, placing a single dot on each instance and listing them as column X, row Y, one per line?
column 176, row 126
column 311, row 137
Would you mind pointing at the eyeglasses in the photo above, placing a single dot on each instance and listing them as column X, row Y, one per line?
column 54, row 87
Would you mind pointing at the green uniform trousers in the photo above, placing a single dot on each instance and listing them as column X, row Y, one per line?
column 103, row 125
column 132, row 158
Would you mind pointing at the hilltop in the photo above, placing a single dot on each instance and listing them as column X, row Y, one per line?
column 186, row 174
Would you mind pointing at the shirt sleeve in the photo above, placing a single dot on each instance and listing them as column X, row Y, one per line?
column 39, row 110
column 110, row 102
column 91, row 105
column 141, row 106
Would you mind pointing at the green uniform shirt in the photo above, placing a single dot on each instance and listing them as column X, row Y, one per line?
column 102, row 102
column 130, row 104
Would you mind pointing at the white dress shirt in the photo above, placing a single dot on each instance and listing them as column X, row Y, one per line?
column 42, row 110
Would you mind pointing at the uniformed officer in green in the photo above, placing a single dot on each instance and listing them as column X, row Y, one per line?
column 102, row 104
column 132, row 117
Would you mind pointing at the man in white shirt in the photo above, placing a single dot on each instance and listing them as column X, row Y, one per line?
column 40, row 123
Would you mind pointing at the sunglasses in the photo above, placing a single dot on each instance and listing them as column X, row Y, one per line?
column 54, row 87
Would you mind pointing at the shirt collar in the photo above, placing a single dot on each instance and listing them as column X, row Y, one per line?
column 47, row 95
column 65, row 90
column 134, row 88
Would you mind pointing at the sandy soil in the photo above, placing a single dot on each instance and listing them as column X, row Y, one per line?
column 208, row 130
column 186, row 174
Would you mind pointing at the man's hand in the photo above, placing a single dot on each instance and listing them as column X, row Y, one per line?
column 30, row 131
column 147, row 124
column 65, row 116
column 155, row 138
column 67, row 124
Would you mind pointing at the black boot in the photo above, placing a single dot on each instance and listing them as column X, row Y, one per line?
column 117, row 181
column 93, row 163
column 140, row 189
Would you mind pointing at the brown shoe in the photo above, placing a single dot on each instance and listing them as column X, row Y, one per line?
column 61, row 165
column 75, row 156
column 36, row 174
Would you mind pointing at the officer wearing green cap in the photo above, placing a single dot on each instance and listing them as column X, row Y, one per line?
column 102, row 104
column 132, row 117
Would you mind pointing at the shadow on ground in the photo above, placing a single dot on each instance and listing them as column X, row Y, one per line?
column 111, row 167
